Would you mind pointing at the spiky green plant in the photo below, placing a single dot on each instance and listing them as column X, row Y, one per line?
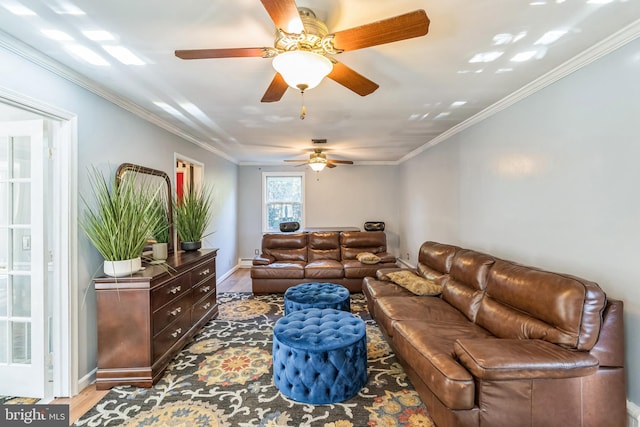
column 193, row 213
column 118, row 217
column 161, row 232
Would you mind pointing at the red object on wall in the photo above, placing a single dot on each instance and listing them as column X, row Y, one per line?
column 179, row 184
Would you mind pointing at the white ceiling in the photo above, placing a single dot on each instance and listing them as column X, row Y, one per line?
column 427, row 85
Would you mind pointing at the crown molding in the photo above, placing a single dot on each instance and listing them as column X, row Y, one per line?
column 38, row 58
column 597, row 51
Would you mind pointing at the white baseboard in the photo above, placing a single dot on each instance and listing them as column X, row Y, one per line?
column 245, row 262
column 403, row 263
column 227, row 274
column 633, row 414
column 87, row 380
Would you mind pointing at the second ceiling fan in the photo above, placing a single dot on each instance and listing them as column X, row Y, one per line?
column 303, row 45
column 318, row 161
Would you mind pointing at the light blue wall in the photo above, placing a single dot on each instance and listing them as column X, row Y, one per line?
column 108, row 136
column 551, row 181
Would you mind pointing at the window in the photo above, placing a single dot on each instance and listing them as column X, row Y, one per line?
column 283, row 199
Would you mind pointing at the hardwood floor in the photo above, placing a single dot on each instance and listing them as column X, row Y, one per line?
column 239, row 281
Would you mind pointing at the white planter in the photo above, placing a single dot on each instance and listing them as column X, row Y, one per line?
column 160, row 251
column 122, row 268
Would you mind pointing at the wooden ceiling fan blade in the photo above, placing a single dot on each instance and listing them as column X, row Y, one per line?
column 241, row 52
column 352, row 80
column 330, row 165
column 340, row 162
column 402, row 27
column 276, row 89
column 284, row 14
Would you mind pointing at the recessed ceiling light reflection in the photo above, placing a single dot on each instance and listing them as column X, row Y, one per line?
column 503, row 70
column 550, row 37
column 18, row 9
column 457, row 104
column 86, row 54
column 524, row 56
column 599, row 1
column 169, row 109
column 123, row 55
column 67, row 9
column 98, row 35
column 485, row 57
column 443, row 115
column 57, row 35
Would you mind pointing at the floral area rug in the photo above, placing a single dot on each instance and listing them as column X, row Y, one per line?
column 10, row 400
column 224, row 379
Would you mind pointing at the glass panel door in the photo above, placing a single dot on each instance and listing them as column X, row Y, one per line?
column 22, row 260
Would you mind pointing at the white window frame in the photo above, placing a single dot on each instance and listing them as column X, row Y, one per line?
column 266, row 175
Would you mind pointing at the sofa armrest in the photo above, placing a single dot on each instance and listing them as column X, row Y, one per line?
column 263, row 260
column 386, row 257
column 513, row 359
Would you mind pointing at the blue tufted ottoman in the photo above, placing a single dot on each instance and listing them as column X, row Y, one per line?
column 316, row 295
column 319, row 355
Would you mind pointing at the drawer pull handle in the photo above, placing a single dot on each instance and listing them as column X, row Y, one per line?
column 204, row 272
column 175, row 290
column 206, row 289
column 207, row 305
column 176, row 311
column 177, row 332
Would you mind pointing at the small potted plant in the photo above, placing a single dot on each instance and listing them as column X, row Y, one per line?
column 118, row 220
column 193, row 212
column 160, row 233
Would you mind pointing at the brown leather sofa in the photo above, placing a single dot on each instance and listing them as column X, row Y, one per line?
column 291, row 259
column 505, row 344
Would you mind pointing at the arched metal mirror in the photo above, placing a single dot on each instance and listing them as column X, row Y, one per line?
column 152, row 177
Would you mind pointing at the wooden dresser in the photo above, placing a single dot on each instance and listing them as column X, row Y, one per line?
column 144, row 320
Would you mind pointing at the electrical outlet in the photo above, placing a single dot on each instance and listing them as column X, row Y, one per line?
column 256, row 252
column 408, row 256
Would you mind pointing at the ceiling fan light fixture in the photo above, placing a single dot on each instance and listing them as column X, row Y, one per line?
column 317, row 165
column 302, row 69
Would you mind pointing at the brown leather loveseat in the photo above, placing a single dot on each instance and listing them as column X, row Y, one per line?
column 290, row 259
column 505, row 344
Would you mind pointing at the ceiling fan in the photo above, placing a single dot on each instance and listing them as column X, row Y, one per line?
column 318, row 161
column 303, row 44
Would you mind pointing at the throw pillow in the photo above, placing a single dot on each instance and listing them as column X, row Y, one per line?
column 368, row 258
column 414, row 283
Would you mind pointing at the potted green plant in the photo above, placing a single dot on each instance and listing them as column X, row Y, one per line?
column 193, row 212
column 118, row 220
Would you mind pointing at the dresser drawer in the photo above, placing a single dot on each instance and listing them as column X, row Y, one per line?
column 170, row 291
column 202, row 307
column 171, row 311
column 203, row 271
column 204, row 288
column 171, row 334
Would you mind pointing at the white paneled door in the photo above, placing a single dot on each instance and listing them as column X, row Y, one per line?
column 23, row 259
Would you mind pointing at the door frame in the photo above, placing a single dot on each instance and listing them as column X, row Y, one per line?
column 64, row 331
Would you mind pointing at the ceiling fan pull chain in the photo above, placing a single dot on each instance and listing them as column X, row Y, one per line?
column 303, row 112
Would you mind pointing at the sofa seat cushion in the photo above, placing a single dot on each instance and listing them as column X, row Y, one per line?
column 502, row 359
column 393, row 308
column 279, row 270
column 354, row 269
column 374, row 289
column 324, row 269
column 429, row 348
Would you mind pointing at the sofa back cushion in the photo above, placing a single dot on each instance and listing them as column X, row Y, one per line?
column 434, row 259
column 285, row 247
column 354, row 242
column 527, row 303
column 323, row 246
column 464, row 287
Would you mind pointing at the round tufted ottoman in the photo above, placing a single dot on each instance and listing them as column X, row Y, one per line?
column 316, row 295
column 319, row 355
